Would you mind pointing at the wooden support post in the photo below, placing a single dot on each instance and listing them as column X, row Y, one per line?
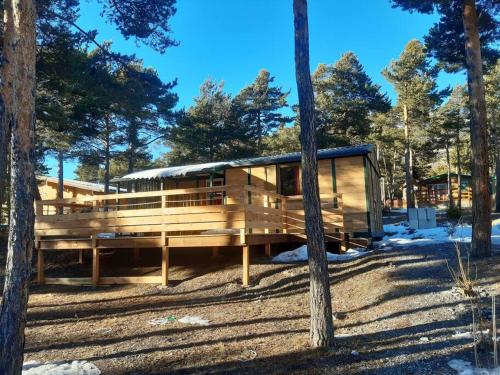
column 266, row 204
column 165, row 258
column 80, row 256
column 40, row 266
column 137, row 254
column 243, row 236
column 95, row 262
column 344, row 245
column 165, row 254
column 267, row 249
column 284, row 213
column 215, row 252
column 246, row 266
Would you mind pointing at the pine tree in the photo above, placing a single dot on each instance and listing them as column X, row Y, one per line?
column 208, row 131
column 145, row 108
column 321, row 332
column 259, row 106
column 345, row 99
column 413, row 79
column 492, row 86
column 60, row 65
column 450, row 122
column 284, row 139
column 18, row 89
column 458, row 46
column 146, row 21
column 388, row 136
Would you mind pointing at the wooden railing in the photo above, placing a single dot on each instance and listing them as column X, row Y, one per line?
column 238, row 210
column 331, row 208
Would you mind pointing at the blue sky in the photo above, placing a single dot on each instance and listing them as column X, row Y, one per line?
column 232, row 40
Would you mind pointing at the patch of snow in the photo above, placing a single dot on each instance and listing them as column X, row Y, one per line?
column 162, row 321
column 466, row 368
column 468, row 335
column 60, row 368
column 106, row 235
column 176, row 171
column 196, row 320
column 354, row 352
column 401, row 235
column 300, row 255
column 342, row 335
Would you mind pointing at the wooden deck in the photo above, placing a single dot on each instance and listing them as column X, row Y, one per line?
column 214, row 217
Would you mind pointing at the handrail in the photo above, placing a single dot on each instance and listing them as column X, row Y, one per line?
column 261, row 191
column 321, row 196
column 144, row 194
column 157, row 193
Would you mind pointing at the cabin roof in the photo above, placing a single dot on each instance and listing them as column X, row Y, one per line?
column 91, row 186
column 182, row 171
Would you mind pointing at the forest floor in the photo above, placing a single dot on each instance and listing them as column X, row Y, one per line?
column 396, row 313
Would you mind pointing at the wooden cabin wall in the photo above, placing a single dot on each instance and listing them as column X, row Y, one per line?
column 350, row 181
column 236, row 177
column 48, row 190
column 325, row 178
column 374, row 195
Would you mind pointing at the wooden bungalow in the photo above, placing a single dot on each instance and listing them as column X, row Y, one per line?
column 48, row 186
column 237, row 204
column 433, row 191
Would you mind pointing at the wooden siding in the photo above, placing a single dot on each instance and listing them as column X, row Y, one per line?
column 350, row 181
column 374, row 195
column 48, row 190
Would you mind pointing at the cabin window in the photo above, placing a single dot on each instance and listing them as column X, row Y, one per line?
column 289, row 180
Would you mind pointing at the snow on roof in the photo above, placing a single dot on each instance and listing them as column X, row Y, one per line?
column 175, row 171
column 181, row 171
column 78, row 184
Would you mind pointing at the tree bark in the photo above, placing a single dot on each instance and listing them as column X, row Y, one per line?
column 481, row 199
column 4, row 142
column 20, row 52
column 321, row 332
column 408, row 161
column 60, row 179
column 459, row 173
column 107, row 157
column 448, row 165
column 497, row 171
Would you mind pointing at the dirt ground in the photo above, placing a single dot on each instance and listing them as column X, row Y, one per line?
column 396, row 310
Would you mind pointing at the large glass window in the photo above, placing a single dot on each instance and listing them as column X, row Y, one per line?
column 289, row 180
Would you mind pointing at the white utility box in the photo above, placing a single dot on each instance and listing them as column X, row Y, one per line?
column 422, row 218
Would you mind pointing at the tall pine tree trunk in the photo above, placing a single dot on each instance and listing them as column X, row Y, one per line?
column 19, row 51
column 4, row 143
column 481, row 200
column 107, row 155
column 321, row 334
column 497, row 170
column 60, row 179
column 449, row 185
column 459, row 173
column 408, row 161
column 393, row 176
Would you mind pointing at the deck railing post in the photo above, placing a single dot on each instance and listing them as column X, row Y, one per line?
column 40, row 262
column 95, row 261
column 246, row 266
column 284, row 214
column 165, row 259
column 267, row 249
